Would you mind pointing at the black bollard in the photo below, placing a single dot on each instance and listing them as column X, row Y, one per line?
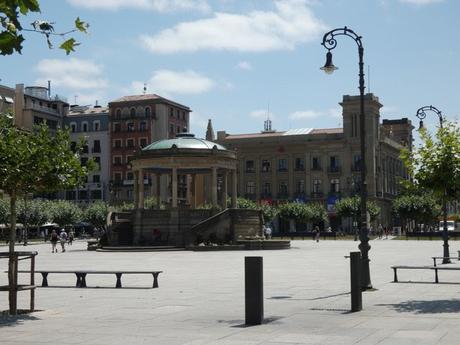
column 254, row 290
column 355, row 280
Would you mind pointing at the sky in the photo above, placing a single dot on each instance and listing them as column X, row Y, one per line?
column 236, row 61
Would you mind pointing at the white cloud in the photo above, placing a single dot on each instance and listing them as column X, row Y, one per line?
column 167, row 82
column 244, row 65
column 197, row 122
column 261, row 114
column 312, row 114
column 72, row 74
column 154, row 5
column 291, row 23
column 421, row 2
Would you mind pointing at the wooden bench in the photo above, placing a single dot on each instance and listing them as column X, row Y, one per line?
column 81, row 276
column 435, row 268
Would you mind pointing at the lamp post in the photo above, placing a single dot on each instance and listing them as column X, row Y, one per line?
column 330, row 42
column 421, row 114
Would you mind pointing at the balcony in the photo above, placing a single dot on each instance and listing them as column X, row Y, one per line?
column 250, row 196
column 265, row 195
column 299, row 168
column 282, row 169
column 316, row 168
column 250, row 171
column 317, row 195
column 356, row 167
column 266, row 170
column 282, row 196
column 334, row 169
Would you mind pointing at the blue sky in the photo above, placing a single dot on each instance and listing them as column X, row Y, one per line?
column 231, row 60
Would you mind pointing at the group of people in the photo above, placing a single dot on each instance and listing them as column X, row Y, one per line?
column 62, row 237
column 383, row 230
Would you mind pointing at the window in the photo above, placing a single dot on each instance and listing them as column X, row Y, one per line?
column 83, row 161
column 82, row 195
column 129, row 176
column 283, row 188
column 132, row 112
column 334, row 164
column 118, row 114
column 147, row 111
column 73, row 146
column 299, row 164
column 143, row 142
column 267, row 188
column 117, row 143
column 70, row 195
column 84, row 126
column 178, row 129
column 266, row 165
column 316, row 163
column 97, row 146
column 300, row 187
column 117, row 127
column 335, row 185
column 250, row 167
column 171, row 112
column 178, row 114
column 117, row 160
column 85, row 148
column 96, row 126
column 171, row 129
column 117, row 176
column 356, row 163
column 130, row 143
column 97, row 160
column 96, row 178
column 96, row 194
column 282, row 164
column 130, row 194
column 129, row 159
column 143, row 125
column 317, row 188
column 73, row 127
column 130, row 126
column 251, row 187
column 183, row 115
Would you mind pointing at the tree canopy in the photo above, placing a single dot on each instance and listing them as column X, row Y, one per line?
column 12, row 13
column 351, row 207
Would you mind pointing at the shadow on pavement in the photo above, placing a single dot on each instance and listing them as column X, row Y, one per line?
column 12, row 321
column 426, row 307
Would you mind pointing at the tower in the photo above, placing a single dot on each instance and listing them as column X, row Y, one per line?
column 210, row 132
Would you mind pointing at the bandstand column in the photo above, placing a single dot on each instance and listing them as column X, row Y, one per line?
column 158, row 179
column 224, row 190
column 214, row 187
column 193, row 191
column 141, row 188
column 136, row 189
column 174, row 188
column 234, row 188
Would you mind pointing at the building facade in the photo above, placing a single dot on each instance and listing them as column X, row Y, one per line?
column 135, row 122
column 91, row 126
column 323, row 165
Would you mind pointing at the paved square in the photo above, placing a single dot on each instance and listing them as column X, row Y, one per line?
column 201, row 298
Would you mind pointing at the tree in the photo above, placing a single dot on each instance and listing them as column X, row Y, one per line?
column 12, row 29
column 350, row 208
column 421, row 208
column 434, row 166
column 33, row 163
column 65, row 213
column 96, row 214
column 318, row 212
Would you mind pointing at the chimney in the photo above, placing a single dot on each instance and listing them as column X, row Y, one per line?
column 49, row 88
column 210, row 132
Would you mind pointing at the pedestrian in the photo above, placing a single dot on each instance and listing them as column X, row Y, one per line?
column 63, row 238
column 317, row 233
column 380, row 231
column 386, row 232
column 268, row 232
column 71, row 236
column 53, row 239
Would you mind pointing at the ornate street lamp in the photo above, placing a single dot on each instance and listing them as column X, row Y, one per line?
column 421, row 114
column 330, row 42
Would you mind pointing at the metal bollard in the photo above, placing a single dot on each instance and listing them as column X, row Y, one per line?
column 355, row 281
column 254, row 290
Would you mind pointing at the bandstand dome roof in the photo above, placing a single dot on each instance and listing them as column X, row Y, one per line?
column 184, row 141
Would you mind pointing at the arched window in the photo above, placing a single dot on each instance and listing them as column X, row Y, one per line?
column 132, row 112
column 147, row 111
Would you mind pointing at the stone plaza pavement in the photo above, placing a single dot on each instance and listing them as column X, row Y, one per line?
column 201, row 298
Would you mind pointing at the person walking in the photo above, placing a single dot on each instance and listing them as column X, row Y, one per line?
column 317, row 233
column 63, row 238
column 268, row 232
column 53, row 239
column 71, row 236
column 380, row 231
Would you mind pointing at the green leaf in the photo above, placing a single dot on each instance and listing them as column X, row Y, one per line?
column 10, row 42
column 28, row 5
column 69, row 45
column 81, row 25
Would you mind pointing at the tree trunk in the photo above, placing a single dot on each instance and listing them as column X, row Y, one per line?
column 12, row 297
column 445, row 234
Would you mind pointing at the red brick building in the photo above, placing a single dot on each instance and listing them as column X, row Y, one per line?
column 134, row 122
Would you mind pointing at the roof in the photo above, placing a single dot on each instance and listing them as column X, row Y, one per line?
column 78, row 111
column 147, row 97
column 291, row 132
column 184, row 141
